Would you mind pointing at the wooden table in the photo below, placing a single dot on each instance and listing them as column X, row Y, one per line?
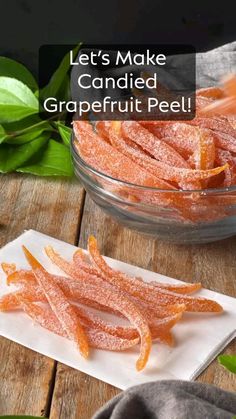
column 35, row 385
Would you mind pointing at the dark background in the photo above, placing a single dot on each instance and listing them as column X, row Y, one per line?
column 27, row 24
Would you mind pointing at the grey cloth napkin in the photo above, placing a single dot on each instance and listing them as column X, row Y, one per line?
column 212, row 65
column 181, row 399
column 170, row 400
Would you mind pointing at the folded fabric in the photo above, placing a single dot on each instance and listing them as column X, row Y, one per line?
column 170, row 399
column 212, row 65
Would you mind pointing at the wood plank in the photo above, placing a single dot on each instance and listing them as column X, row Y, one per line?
column 77, row 395
column 52, row 207
column 213, row 264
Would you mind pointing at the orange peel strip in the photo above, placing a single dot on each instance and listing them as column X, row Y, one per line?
column 159, row 327
column 8, row 268
column 113, row 298
column 133, row 286
column 96, row 338
column 28, row 279
column 225, row 106
column 217, row 124
column 149, row 310
column 79, row 259
column 161, row 169
column 31, row 293
column 59, row 304
column 21, row 277
column 225, row 141
column 103, row 157
column 205, row 154
column 213, row 92
column 102, row 128
column 153, row 145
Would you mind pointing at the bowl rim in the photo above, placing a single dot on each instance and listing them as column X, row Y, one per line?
column 203, row 192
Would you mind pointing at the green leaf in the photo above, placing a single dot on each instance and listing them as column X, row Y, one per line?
column 17, row 126
column 28, row 136
column 54, row 161
column 12, row 157
column 16, row 100
column 11, row 68
column 65, row 132
column 25, row 130
column 11, row 109
column 228, row 361
column 58, row 78
column 3, row 134
column 20, row 90
column 64, row 91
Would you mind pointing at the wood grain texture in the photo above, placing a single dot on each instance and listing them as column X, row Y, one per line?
column 77, row 395
column 52, row 207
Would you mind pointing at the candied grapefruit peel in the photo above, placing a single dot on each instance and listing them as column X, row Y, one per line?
column 167, row 156
column 152, row 309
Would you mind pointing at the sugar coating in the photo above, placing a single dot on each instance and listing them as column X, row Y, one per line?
column 148, row 291
column 113, row 298
column 149, row 142
column 96, row 338
column 102, row 156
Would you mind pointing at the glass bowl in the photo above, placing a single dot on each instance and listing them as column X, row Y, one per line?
column 178, row 216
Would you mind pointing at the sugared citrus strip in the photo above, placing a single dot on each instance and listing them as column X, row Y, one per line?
column 21, row 277
column 102, row 128
column 28, row 279
column 229, row 85
column 113, row 298
column 148, row 291
column 201, row 102
column 161, row 331
column 181, row 136
column 31, row 293
column 159, row 327
column 96, row 338
column 163, row 170
column 103, row 157
column 80, row 261
column 60, row 305
column 210, row 92
column 8, row 268
column 225, row 106
column 179, row 289
column 102, row 340
column 205, row 154
column 153, row 145
column 222, row 157
column 149, row 309
column 217, row 124
column 225, row 141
